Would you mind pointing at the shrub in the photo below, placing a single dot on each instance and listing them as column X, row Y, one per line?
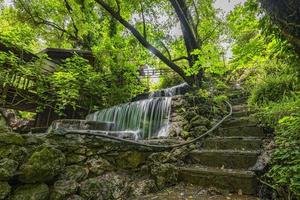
column 273, row 89
column 285, row 170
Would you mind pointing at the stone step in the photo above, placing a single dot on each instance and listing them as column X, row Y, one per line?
column 239, row 121
column 240, row 108
column 241, row 143
column 241, row 114
column 232, row 159
column 247, row 131
column 236, row 181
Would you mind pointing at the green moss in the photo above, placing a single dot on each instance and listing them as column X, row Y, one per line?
column 4, row 190
column 11, row 138
column 43, row 165
column 14, row 152
column 8, row 168
column 32, row 192
column 130, row 159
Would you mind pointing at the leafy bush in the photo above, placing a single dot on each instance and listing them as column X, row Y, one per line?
column 285, row 170
column 273, row 89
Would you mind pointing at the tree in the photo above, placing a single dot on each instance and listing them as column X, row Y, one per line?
column 286, row 15
column 82, row 24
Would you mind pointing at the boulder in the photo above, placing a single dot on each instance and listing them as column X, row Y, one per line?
column 130, row 159
column 43, row 165
column 106, row 187
column 14, row 152
column 75, row 159
column 143, row 187
column 11, row 138
column 164, row 174
column 75, row 197
column 32, row 192
column 4, row 190
column 8, row 168
column 62, row 189
column 97, row 166
column 75, row 172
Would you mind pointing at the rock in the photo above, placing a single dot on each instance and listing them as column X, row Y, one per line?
column 4, row 190
column 200, row 121
column 8, row 168
column 130, row 159
column 143, row 187
column 75, row 197
column 75, row 159
column 164, row 174
column 106, row 187
column 32, row 192
column 62, row 189
column 43, row 165
column 75, row 172
column 14, row 152
column 97, row 166
column 11, row 138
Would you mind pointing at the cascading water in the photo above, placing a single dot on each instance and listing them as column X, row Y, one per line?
column 146, row 118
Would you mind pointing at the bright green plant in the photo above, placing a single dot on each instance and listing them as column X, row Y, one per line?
column 285, row 169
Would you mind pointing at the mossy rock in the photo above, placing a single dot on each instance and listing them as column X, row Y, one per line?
column 5, row 189
column 32, row 192
column 130, row 159
column 164, row 174
column 8, row 169
column 143, row 187
column 107, row 187
column 75, row 172
column 43, row 165
column 14, row 152
column 75, row 197
column 98, row 166
column 75, row 159
column 63, row 188
column 12, row 138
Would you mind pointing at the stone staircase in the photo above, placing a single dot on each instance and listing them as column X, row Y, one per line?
column 226, row 157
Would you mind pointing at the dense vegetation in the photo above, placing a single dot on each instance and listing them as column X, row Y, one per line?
column 122, row 33
column 269, row 68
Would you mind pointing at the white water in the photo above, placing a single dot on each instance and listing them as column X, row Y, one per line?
column 146, row 118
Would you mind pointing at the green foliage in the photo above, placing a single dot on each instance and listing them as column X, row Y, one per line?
column 285, row 170
column 273, row 89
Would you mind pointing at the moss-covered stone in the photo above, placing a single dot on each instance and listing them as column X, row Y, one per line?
column 164, row 174
column 97, row 166
column 75, row 159
column 143, row 187
column 14, row 152
column 130, row 159
column 75, row 172
column 32, row 192
column 8, row 168
column 43, row 165
column 62, row 189
column 107, row 187
column 4, row 190
column 75, row 197
column 12, row 138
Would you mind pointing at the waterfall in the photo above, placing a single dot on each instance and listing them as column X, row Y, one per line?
column 146, row 118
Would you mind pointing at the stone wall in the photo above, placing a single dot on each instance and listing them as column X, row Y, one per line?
column 58, row 166
column 192, row 115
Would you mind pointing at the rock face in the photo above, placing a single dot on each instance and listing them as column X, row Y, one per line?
column 33, row 192
column 4, row 190
column 8, row 168
column 43, row 165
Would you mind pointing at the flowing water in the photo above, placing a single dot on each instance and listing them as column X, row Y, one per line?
column 146, row 118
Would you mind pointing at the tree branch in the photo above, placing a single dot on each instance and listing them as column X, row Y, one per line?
column 144, row 22
column 143, row 41
column 180, row 58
